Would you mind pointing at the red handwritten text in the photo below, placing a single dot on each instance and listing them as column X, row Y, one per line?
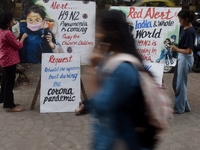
column 151, row 12
column 52, row 59
column 55, row 5
column 134, row 14
column 146, row 58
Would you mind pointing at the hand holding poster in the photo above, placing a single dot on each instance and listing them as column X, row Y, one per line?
column 60, row 82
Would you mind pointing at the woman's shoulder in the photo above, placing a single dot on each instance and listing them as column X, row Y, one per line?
column 5, row 33
column 127, row 69
column 126, row 65
column 191, row 29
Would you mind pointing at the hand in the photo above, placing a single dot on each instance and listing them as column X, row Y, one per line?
column 25, row 35
column 98, row 53
column 17, row 35
column 49, row 37
column 174, row 48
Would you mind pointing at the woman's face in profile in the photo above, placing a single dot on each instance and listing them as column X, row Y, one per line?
column 182, row 21
column 34, row 18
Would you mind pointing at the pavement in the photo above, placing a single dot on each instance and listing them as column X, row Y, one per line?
column 31, row 130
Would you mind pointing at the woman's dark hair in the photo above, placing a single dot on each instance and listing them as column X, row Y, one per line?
column 37, row 9
column 117, row 31
column 5, row 19
column 187, row 14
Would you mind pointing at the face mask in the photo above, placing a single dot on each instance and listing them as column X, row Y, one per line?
column 34, row 27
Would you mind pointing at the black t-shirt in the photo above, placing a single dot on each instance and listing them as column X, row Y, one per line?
column 187, row 38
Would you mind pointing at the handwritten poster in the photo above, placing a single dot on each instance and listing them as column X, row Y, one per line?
column 60, row 82
column 155, row 29
column 156, row 70
column 71, row 25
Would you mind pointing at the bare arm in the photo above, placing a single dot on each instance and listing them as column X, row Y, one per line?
column 49, row 39
column 25, row 35
column 184, row 51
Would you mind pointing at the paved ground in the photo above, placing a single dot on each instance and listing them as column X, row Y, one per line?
column 31, row 130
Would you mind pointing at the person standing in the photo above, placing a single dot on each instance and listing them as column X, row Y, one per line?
column 185, row 60
column 9, row 57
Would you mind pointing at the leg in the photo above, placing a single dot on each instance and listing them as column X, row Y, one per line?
column 170, row 57
column 162, row 55
column 166, row 59
column 2, row 94
column 181, row 101
column 175, row 78
column 9, row 82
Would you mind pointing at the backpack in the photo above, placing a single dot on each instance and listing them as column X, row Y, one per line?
column 153, row 113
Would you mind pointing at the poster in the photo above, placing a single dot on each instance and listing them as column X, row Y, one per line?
column 156, row 70
column 60, row 82
column 155, row 29
column 57, row 26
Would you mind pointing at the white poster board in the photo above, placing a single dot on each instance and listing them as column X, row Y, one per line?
column 155, row 29
column 75, row 23
column 60, row 82
column 72, row 24
column 157, row 71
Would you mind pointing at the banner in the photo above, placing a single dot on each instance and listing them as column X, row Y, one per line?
column 155, row 29
column 57, row 26
column 60, row 82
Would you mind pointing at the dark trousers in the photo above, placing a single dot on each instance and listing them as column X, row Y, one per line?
column 7, row 85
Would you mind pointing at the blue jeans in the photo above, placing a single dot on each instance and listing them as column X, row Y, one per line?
column 184, row 66
column 162, row 55
column 168, row 56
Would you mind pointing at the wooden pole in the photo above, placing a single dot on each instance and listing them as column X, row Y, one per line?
column 83, row 91
column 36, row 94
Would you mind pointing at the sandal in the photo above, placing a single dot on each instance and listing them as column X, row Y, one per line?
column 17, row 104
column 16, row 109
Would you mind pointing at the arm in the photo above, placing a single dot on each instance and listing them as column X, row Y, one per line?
column 188, row 43
column 13, row 42
column 49, row 38
column 25, row 35
column 184, row 51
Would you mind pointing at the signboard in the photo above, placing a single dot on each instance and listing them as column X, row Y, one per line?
column 60, row 82
column 71, row 25
column 156, row 70
column 155, row 29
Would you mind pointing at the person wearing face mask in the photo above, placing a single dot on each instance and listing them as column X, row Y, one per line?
column 40, row 38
